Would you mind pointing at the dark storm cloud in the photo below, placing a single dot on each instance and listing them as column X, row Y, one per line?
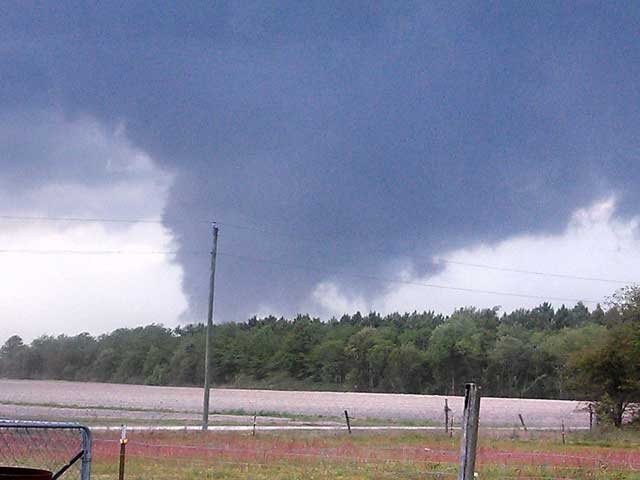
column 365, row 129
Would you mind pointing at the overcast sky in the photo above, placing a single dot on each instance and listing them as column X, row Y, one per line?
column 357, row 155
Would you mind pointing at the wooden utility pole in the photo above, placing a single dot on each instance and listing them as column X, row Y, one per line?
column 469, row 440
column 207, row 350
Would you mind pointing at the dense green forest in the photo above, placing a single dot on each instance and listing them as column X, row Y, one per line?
column 542, row 352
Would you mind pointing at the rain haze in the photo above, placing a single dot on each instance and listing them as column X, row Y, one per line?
column 388, row 156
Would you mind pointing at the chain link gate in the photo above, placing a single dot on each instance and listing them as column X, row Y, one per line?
column 62, row 448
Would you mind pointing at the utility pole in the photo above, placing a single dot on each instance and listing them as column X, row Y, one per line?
column 207, row 351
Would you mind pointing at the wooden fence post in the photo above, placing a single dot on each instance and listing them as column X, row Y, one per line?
column 123, row 448
column 469, row 440
column 346, row 415
column 522, row 422
column 255, row 415
column 446, row 416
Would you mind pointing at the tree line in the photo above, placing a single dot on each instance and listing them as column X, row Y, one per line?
column 543, row 352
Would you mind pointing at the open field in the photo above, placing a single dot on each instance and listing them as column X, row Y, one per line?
column 184, row 454
column 179, row 405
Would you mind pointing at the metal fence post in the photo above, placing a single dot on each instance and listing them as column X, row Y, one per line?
column 469, row 440
column 85, row 448
column 87, row 443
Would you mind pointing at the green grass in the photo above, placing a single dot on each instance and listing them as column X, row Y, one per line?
column 93, row 407
column 609, row 437
column 167, row 470
column 315, row 419
column 140, row 469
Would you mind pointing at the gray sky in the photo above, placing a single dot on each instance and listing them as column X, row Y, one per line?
column 361, row 142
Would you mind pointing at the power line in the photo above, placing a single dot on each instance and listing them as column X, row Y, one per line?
column 97, row 252
column 300, row 267
column 404, row 282
column 47, row 218
column 529, row 272
column 271, row 232
column 42, row 218
column 79, row 219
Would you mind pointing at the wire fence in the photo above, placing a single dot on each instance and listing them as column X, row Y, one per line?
column 63, row 448
column 297, row 463
column 170, row 454
column 242, row 454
